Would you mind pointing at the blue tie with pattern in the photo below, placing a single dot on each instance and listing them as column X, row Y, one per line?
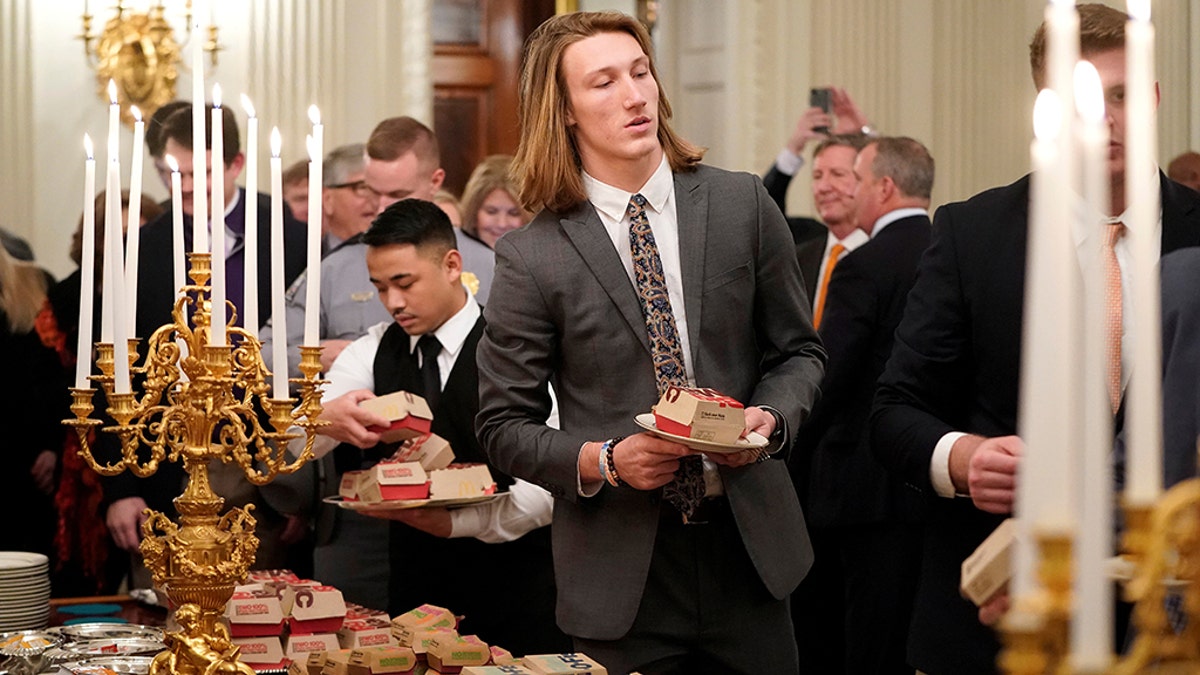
column 686, row 491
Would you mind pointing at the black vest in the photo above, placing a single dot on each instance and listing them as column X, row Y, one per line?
column 396, row 369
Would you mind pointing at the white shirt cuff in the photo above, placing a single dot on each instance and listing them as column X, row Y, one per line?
column 939, row 465
column 788, row 162
column 526, row 508
column 589, row 489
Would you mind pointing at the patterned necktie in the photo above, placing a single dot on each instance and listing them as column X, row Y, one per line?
column 686, row 491
column 823, row 290
column 1114, row 324
column 431, row 376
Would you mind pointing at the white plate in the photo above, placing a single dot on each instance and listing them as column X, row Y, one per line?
column 405, row 504
column 752, row 441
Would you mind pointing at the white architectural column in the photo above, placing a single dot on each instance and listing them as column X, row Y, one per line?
column 17, row 205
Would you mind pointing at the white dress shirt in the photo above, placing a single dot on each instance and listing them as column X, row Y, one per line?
column 611, row 203
column 527, row 507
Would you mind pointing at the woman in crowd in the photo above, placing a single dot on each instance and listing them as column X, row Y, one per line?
column 490, row 207
column 33, row 395
column 87, row 559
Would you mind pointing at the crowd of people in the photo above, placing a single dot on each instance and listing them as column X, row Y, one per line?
column 876, row 349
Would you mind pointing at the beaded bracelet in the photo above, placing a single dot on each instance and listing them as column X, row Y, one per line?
column 607, row 464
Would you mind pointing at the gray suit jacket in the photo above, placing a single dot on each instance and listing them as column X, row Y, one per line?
column 565, row 312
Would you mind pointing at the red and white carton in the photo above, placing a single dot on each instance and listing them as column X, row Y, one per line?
column 702, row 414
column 283, row 575
column 372, row 631
column 409, row 414
column 298, row 647
column 286, row 591
column 348, row 487
column 563, row 664
column 393, row 480
column 354, row 611
column 461, row 480
column 255, row 614
column 317, row 609
column 449, row 653
column 389, row 660
column 261, row 651
column 431, row 450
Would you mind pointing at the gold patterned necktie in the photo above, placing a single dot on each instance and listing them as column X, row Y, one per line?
column 835, row 254
column 1114, row 322
column 686, row 491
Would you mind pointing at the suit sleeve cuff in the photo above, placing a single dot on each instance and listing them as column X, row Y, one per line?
column 939, row 465
column 788, row 163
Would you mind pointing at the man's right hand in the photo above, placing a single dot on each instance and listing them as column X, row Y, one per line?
column 646, row 462
column 806, row 129
column 124, row 520
column 349, row 423
column 987, row 469
column 330, row 351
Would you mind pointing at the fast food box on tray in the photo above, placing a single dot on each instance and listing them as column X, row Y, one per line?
column 702, row 414
column 286, row 591
column 299, row 646
column 393, row 480
column 461, row 480
column 449, row 653
column 431, row 450
column 316, row 609
column 385, row 660
column 371, row 631
column 348, row 487
column 989, row 568
column 563, row 664
column 409, row 414
column 297, row 668
column 261, row 651
column 495, row 669
column 255, row 614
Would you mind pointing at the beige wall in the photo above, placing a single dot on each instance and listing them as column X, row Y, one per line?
column 952, row 73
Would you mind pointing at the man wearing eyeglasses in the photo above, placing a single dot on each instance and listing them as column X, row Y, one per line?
column 347, row 202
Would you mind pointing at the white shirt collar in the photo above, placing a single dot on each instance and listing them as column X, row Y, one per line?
column 453, row 333
column 892, row 216
column 612, row 201
column 850, row 242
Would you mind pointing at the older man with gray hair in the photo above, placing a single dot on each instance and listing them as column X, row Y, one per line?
column 347, row 203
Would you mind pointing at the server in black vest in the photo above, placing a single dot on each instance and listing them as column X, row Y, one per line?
column 504, row 589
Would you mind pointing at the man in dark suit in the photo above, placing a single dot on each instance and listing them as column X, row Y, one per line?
column 867, row 519
column 505, row 589
column 128, row 495
column 646, row 269
column 946, row 409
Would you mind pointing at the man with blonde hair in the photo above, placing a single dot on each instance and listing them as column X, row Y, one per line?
column 646, row 269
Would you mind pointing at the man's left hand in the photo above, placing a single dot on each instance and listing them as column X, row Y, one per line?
column 757, row 420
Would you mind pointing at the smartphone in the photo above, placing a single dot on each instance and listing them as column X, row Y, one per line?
column 821, row 98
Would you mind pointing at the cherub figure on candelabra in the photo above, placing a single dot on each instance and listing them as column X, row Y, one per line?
column 200, row 402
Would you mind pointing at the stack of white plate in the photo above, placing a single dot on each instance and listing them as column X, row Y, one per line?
column 24, row 591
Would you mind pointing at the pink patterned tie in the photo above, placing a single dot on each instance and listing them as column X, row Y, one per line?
column 686, row 491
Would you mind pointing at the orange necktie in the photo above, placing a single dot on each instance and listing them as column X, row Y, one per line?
column 1114, row 327
column 823, row 289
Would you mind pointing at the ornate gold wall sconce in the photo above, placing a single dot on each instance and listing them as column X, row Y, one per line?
column 140, row 52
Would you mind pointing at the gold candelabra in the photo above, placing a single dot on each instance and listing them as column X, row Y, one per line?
column 140, row 53
column 200, row 403
column 1163, row 544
